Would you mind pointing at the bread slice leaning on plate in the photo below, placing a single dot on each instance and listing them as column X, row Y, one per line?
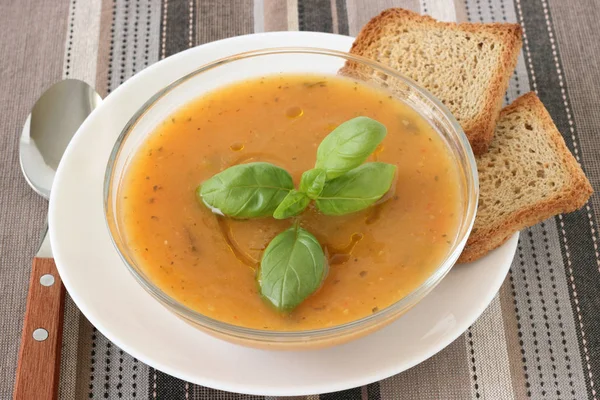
column 467, row 66
column 528, row 175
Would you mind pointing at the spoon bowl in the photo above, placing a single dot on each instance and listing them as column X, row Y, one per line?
column 53, row 121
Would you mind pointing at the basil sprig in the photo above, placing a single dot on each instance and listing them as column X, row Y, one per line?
column 349, row 145
column 247, row 190
column 312, row 182
column 293, row 264
column 262, row 189
column 293, row 204
column 291, row 269
column 356, row 189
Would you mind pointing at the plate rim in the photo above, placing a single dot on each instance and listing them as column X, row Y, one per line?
column 309, row 389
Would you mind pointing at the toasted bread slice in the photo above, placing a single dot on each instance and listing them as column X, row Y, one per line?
column 467, row 66
column 527, row 176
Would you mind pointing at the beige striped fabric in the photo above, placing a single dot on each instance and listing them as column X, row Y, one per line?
column 539, row 338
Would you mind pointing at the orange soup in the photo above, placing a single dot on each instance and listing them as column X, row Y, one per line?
column 209, row 263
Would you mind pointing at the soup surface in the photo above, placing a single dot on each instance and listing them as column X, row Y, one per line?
column 209, row 263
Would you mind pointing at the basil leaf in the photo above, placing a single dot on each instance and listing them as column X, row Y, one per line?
column 349, row 145
column 291, row 269
column 357, row 189
column 293, row 204
column 246, row 190
column 312, row 182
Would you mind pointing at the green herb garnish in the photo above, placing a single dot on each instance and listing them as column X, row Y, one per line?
column 349, row 145
column 293, row 204
column 291, row 269
column 247, row 190
column 356, row 189
column 312, row 182
column 293, row 264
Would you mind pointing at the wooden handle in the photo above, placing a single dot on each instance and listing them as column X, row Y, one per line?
column 39, row 358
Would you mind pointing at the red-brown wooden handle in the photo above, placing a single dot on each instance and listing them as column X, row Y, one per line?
column 39, row 360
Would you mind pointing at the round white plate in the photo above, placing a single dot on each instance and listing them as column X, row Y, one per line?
column 116, row 304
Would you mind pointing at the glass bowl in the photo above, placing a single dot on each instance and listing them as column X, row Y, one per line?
column 259, row 63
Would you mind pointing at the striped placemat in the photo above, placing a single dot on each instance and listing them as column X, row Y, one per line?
column 540, row 337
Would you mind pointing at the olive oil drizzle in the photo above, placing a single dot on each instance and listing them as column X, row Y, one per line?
column 340, row 256
column 233, row 245
column 336, row 256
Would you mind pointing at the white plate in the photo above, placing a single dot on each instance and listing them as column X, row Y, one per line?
column 112, row 300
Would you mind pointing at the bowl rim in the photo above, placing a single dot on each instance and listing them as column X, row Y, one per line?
column 277, row 336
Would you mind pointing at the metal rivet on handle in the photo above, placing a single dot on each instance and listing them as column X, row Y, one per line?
column 40, row 334
column 47, row 280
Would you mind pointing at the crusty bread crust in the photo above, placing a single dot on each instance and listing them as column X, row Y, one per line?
column 573, row 196
column 480, row 129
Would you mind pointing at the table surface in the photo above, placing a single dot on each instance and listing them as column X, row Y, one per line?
column 539, row 338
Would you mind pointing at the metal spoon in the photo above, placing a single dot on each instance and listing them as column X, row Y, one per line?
column 55, row 118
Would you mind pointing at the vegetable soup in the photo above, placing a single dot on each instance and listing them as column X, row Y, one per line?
column 356, row 235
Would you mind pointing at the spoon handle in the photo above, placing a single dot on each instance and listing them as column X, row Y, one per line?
column 39, row 357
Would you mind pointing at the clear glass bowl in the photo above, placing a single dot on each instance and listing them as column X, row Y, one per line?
column 292, row 61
